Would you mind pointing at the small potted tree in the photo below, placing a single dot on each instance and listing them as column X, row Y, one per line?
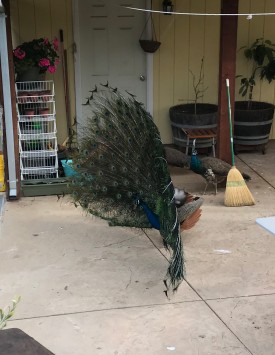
column 195, row 115
column 253, row 119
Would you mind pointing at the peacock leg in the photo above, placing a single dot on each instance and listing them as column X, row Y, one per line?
column 216, row 187
column 206, row 185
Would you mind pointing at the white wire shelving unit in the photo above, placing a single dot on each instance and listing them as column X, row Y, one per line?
column 37, row 130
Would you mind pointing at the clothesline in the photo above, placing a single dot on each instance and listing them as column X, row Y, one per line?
column 248, row 15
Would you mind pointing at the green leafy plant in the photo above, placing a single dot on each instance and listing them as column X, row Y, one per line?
column 261, row 53
column 40, row 53
column 7, row 313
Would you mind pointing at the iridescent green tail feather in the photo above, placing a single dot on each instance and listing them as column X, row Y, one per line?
column 121, row 158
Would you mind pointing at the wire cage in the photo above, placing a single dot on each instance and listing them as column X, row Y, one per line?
column 37, row 130
column 34, row 92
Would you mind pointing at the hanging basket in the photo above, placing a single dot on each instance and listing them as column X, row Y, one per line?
column 149, row 46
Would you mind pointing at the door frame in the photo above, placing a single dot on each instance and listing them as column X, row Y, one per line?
column 77, row 66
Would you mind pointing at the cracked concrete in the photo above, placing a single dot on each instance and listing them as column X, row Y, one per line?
column 88, row 288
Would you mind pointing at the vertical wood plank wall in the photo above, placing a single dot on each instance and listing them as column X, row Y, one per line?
column 44, row 18
column 185, row 40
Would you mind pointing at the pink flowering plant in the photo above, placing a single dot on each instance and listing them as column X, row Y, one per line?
column 40, row 53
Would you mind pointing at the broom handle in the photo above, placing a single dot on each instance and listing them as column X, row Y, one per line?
column 230, row 122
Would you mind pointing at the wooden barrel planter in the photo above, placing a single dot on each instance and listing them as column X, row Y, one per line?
column 183, row 117
column 252, row 126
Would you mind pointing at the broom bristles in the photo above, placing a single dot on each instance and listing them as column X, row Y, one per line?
column 236, row 192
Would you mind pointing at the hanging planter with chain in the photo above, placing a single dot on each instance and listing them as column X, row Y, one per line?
column 149, row 45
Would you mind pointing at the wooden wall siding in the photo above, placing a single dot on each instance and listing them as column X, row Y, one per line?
column 248, row 31
column 44, row 18
column 185, row 40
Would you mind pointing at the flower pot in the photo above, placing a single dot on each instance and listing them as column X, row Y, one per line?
column 29, row 112
column 149, row 46
column 252, row 125
column 184, row 117
column 44, row 111
column 31, row 74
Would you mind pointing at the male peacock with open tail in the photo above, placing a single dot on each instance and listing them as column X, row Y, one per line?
column 122, row 175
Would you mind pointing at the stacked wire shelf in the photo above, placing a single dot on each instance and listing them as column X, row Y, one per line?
column 37, row 130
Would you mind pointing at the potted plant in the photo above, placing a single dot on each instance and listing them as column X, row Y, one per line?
column 253, row 119
column 34, row 58
column 194, row 115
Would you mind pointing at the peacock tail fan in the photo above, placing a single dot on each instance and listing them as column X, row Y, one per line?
column 121, row 159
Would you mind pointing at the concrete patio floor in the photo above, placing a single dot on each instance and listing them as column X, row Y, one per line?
column 87, row 288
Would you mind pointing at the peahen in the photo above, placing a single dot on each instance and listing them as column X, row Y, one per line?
column 121, row 175
column 175, row 157
column 214, row 170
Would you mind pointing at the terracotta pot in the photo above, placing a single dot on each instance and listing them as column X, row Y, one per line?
column 29, row 112
column 44, row 111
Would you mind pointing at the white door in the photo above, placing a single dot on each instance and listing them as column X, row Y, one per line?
column 108, row 48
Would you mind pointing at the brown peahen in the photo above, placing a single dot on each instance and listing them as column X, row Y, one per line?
column 121, row 175
column 213, row 170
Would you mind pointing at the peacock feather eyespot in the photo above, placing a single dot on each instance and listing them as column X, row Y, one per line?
column 125, row 182
column 113, row 168
column 124, row 169
column 115, row 183
column 130, row 194
column 104, row 189
column 118, row 196
column 100, row 173
column 101, row 157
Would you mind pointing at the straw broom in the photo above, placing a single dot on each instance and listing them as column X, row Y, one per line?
column 236, row 192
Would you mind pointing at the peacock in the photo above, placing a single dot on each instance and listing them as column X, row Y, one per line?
column 122, row 176
column 214, row 170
